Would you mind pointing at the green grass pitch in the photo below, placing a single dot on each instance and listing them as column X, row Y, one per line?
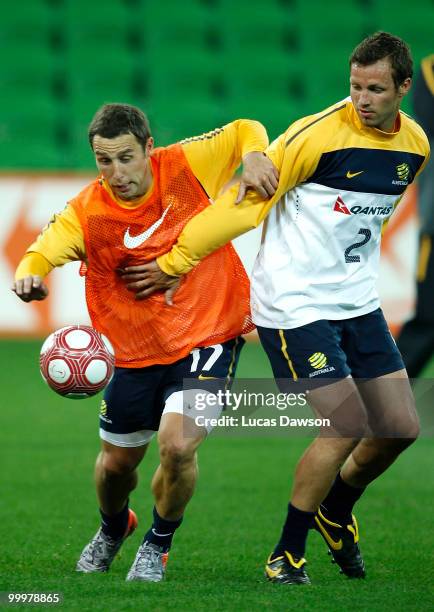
column 48, row 513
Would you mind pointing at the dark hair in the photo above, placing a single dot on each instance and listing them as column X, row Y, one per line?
column 113, row 120
column 380, row 45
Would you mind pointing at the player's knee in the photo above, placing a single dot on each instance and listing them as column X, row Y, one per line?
column 402, row 432
column 383, row 449
column 175, row 454
column 120, row 462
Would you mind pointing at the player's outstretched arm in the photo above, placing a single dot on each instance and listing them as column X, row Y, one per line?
column 60, row 242
column 294, row 155
column 30, row 288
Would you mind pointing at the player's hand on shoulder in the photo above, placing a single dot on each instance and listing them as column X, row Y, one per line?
column 146, row 279
column 260, row 174
column 30, row 288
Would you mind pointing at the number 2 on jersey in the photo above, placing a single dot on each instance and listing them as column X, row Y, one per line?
column 356, row 258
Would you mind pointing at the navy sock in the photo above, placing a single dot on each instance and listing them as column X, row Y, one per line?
column 116, row 525
column 339, row 503
column 162, row 531
column 294, row 532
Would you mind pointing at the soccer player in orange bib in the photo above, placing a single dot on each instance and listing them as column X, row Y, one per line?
column 132, row 213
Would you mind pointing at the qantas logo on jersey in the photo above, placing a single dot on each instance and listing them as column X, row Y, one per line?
column 380, row 211
column 340, row 206
column 132, row 242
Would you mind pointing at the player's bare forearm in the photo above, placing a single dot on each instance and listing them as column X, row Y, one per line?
column 30, row 288
column 146, row 279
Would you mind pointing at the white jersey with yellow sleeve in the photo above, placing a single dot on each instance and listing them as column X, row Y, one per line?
column 319, row 257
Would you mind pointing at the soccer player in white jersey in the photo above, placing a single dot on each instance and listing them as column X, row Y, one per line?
column 314, row 300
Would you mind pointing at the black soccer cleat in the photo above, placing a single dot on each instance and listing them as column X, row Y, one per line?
column 343, row 544
column 286, row 570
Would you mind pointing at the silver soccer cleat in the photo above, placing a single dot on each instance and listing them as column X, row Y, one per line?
column 98, row 555
column 149, row 564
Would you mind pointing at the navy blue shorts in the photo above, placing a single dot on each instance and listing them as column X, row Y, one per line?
column 135, row 398
column 362, row 347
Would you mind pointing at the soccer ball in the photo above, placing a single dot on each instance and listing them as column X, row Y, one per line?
column 77, row 361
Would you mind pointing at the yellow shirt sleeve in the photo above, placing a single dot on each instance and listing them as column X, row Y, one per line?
column 295, row 156
column 214, row 156
column 33, row 264
column 61, row 240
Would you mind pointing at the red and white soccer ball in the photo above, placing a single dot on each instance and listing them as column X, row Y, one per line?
column 77, row 361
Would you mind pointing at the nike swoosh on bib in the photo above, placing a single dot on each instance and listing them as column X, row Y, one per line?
column 132, row 242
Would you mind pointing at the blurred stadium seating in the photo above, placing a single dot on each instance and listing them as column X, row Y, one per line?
column 190, row 65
